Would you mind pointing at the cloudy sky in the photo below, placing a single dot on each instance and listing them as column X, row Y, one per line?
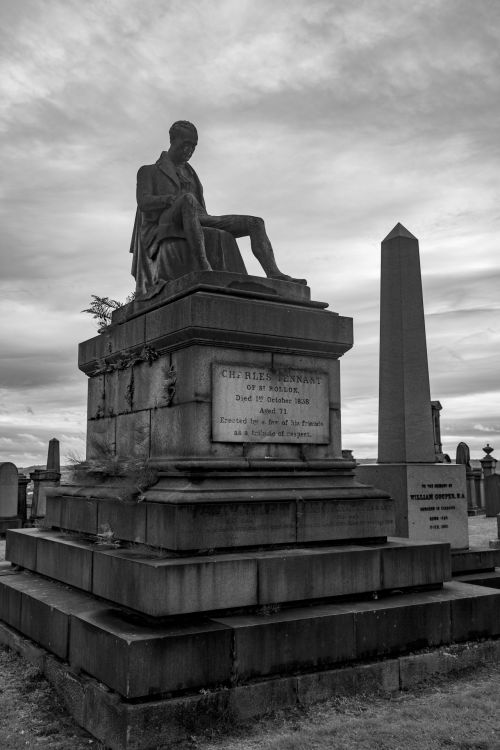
column 332, row 119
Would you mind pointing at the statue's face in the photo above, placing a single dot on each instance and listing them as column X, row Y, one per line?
column 183, row 146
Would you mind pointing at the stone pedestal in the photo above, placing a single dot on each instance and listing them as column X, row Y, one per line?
column 488, row 462
column 219, row 537
column 492, row 494
column 22, row 508
column 230, row 391
column 477, row 476
column 43, row 481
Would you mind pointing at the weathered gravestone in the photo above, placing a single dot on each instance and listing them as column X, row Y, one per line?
column 220, row 556
column 430, row 498
column 9, row 518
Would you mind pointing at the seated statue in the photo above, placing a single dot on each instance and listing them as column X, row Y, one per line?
column 173, row 233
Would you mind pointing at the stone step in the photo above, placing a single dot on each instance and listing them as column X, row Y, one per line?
column 159, row 585
column 474, row 560
column 41, row 608
column 135, row 656
column 138, row 657
column 182, row 514
column 489, row 578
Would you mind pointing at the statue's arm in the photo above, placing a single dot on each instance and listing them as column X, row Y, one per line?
column 200, row 187
column 146, row 199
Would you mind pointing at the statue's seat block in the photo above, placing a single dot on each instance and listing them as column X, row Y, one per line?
column 232, row 314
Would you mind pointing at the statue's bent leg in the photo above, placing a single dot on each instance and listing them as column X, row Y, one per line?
column 252, row 226
column 263, row 250
column 190, row 209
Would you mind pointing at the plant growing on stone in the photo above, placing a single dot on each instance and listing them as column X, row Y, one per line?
column 101, row 309
column 133, row 473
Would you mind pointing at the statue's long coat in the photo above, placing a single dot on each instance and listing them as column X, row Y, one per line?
column 157, row 185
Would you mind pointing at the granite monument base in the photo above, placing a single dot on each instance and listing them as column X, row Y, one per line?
column 430, row 500
column 100, row 658
column 251, row 558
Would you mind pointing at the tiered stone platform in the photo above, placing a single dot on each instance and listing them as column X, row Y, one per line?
column 254, row 567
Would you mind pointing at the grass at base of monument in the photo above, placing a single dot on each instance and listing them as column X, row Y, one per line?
column 31, row 715
column 462, row 713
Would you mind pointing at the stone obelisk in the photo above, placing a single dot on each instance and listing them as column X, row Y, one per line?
column 405, row 432
column 429, row 497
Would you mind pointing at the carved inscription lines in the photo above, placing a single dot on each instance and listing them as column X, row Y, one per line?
column 259, row 405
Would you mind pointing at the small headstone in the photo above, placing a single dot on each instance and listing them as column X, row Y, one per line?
column 463, row 455
column 8, row 490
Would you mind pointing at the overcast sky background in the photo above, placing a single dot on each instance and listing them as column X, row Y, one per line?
column 332, row 119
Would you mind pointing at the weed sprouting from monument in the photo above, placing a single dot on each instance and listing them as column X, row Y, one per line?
column 101, row 309
column 103, row 465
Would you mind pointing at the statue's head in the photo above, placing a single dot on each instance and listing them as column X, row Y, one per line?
column 183, row 141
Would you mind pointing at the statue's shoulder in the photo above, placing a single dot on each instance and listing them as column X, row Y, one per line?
column 146, row 168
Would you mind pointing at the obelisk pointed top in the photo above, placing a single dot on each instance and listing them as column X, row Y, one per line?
column 399, row 231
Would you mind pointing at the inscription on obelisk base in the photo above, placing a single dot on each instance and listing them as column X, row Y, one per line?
column 430, row 500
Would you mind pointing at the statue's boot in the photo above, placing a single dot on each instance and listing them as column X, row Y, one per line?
column 283, row 277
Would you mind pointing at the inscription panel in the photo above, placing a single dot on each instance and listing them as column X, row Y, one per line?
column 437, row 504
column 260, row 405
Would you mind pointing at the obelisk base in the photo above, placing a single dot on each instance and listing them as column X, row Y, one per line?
column 430, row 499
